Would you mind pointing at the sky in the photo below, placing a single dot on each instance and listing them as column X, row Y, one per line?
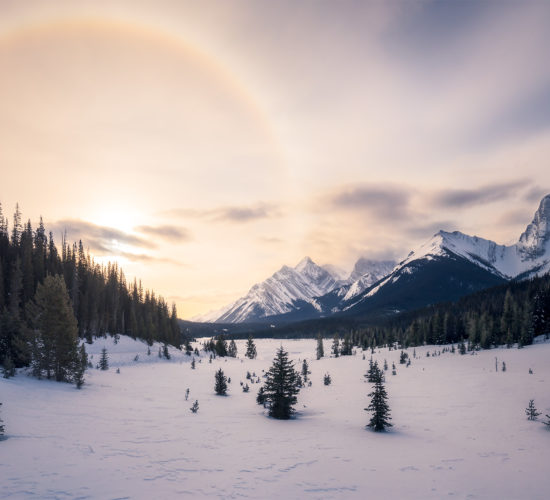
column 202, row 145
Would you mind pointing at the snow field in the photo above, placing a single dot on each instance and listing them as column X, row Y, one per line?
column 460, row 430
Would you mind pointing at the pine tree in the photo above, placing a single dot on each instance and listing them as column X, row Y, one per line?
column 220, row 383
column 55, row 341
column 165, row 352
column 320, row 349
column 336, row 346
column 250, row 348
column 326, row 379
column 9, row 367
column 403, row 357
column 220, row 346
column 379, row 408
column 1, row 425
column 195, row 407
column 81, row 365
column 347, row 346
column 193, row 363
column 281, row 386
column 104, row 360
column 531, row 411
column 305, row 370
column 232, row 350
column 260, row 398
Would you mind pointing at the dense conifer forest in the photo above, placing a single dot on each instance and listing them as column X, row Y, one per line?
column 102, row 301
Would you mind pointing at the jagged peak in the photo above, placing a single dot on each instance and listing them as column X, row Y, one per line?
column 533, row 241
column 304, row 263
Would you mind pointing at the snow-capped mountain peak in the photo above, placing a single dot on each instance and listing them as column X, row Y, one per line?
column 279, row 293
column 535, row 240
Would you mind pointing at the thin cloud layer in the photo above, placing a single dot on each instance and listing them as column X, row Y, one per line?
column 454, row 198
column 166, row 232
column 232, row 214
column 98, row 238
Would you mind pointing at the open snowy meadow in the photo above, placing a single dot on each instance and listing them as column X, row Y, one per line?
column 460, row 429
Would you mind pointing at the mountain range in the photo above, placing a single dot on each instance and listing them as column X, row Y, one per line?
column 446, row 267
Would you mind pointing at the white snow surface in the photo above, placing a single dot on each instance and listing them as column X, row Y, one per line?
column 460, row 429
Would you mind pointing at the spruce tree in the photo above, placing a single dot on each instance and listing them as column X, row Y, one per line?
column 193, row 363
column 220, row 383
column 81, row 365
column 326, row 379
column 220, row 347
column 250, row 348
column 260, row 398
column 336, row 346
column 531, row 411
column 55, row 341
column 195, row 407
column 281, row 386
column 305, row 370
column 379, row 408
column 320, row 349
column 165, row 352
column 1, row 425
column 232, row 350
column 104, row 360
column 8, row 368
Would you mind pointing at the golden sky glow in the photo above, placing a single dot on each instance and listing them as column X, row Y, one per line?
column 205, row 144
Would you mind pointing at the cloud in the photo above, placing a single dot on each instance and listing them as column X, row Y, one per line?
column 236, row 214
column 463, row 198
column 166, row 232
column 98, row 238
column 388, row 202
column 144, row 258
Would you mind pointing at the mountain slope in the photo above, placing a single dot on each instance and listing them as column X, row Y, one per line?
column 453, row 264
column 277, row 294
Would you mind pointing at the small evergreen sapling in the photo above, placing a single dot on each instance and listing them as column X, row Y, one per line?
column 379, row 408
column 251, row 352
column 1, row 425
column 186, row 394
column 305, row 370
column 336, row 346
column 326, row 379
column 531, row 411
column 232, row 350
column 193, row 363
column 320, row 351
column 81, row 365
column 104, row 360
column 165, row 352
column 195, row 407
column 246, row 388
column 220, row 383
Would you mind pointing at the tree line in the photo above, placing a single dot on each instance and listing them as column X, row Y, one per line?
column 101, row 299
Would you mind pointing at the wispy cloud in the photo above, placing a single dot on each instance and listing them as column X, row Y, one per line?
column 386, row 201
column 166, row 232
column 235, row 214
column 98, row 238
column 455, row 198
column 144, row 258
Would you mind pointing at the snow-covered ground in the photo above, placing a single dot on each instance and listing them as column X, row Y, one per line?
column 460, row 429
